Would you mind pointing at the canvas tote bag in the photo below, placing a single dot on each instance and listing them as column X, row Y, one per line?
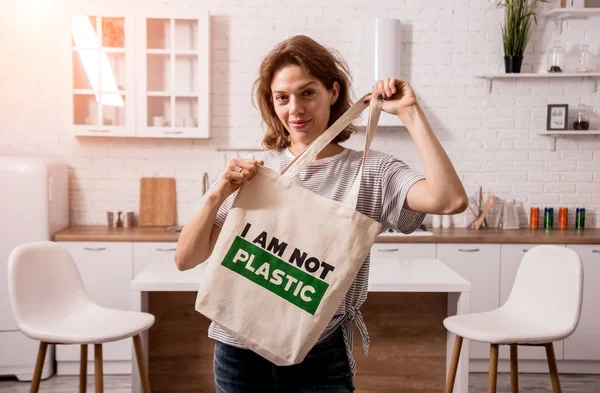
column 286, row 256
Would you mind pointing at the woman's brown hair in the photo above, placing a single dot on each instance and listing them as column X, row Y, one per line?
column 324, row 64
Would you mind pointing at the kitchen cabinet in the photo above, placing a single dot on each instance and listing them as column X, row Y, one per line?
column 479, row 264
column 510, row 259
column 584, row 343
column 103, row 75
column 398, row 251
column 106, row 271
column 174, row 76
column 141, row 76
column 146, row 253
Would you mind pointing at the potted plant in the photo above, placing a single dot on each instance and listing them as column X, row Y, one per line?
column 516, row 30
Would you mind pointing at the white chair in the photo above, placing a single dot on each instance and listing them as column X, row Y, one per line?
column 543, row 307
column 51, row 305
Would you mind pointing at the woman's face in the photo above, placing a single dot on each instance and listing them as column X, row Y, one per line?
column 302, row 103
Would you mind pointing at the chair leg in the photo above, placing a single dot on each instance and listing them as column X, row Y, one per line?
column 83, row 358
column 553, row 368
column 514, row 368
column 454, row 364
column 493, row 368
column 39, row 365
column 98, row 377
column 139, row 354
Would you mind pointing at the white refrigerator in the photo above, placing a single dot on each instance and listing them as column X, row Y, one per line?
column 34, row 205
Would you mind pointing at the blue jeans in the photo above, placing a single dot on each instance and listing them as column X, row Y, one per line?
column 324, row 370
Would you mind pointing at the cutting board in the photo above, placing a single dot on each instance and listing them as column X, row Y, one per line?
column 157, row 201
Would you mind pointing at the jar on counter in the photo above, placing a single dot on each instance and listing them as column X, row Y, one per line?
column 556, row 57
column 582, row 121
column 584, row 62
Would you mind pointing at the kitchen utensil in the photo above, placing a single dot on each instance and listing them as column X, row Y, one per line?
column 157, row 201
column 488, row 205
column 485, row 224
column 205, row 183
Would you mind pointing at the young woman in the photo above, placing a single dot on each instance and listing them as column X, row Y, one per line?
column 301, row 90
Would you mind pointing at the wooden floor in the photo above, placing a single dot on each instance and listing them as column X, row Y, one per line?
column 529, row 383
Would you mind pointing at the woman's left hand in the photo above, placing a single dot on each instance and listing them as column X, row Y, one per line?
column 397, row 95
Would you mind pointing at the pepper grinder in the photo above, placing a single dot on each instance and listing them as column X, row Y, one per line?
column 119, row 220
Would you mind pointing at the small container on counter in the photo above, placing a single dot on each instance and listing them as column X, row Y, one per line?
column 562, row 217
column 534, row 218
column 580, row 218
column 128, row 219
column 548, row 217
column 110, row 219
column 445, row 221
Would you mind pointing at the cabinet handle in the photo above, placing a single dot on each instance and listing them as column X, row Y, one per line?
column 94, row 249
column 388, row 249
column 525, row 250
column 165, row 249
column 596, row 251
column 468, row 249
column 172, row 132
column 99, row 130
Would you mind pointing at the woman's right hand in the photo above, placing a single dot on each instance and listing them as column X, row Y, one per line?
column 238, row 171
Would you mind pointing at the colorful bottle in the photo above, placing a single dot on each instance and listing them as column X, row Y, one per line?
column 580, row 218
column 548, row 217
column 562, row 217
column 534, row 218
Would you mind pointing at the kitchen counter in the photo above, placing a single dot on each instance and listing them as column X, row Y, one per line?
column 101, row 233
column 407, row 303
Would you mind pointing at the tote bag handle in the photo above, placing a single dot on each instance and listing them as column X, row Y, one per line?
column 311, row 152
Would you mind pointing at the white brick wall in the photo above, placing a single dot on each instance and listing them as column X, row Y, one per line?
column 491, row 138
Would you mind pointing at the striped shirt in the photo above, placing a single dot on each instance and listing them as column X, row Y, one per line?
column 384, row 186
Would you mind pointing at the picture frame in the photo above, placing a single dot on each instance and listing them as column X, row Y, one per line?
column 557, row 117
column 574, row 3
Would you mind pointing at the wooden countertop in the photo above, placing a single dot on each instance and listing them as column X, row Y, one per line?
column 101, row 233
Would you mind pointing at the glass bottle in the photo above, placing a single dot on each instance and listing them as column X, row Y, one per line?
column 584, row 62
column 555, row 57
column 582, row 121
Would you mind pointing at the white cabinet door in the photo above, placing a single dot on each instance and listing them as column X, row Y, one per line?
column 400, row 251
column 146, row 253
column 103, row 74
column 173, row 53
column 479, row 264
column 584, row 343
column 510, row 259
column 105, row 268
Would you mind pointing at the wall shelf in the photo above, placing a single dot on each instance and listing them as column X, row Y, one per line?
column 566, row 133
column 560, row 14
column 531, row 75
column 569, row 132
